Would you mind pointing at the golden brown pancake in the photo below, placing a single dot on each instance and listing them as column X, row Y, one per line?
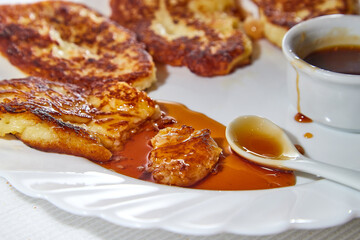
column 63, row 118
column 204, row 35
column 182, row 156
column 278, row 16
column 68, row 42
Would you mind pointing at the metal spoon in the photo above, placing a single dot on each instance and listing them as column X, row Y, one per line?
column 260, row 140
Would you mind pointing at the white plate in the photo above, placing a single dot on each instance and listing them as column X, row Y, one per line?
column 82, row 187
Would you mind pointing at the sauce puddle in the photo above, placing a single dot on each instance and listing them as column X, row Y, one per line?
column 232, row 173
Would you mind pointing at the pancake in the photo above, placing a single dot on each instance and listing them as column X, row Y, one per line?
column 278, row 16
column 182, row 156
column 63, row 118
column 203, row 35
column 68, row 42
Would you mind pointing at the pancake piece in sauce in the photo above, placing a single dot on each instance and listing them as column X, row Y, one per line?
column 63, row 118
column 204, row 35
column 182, row 156
column 69, row 42
column 278, row 16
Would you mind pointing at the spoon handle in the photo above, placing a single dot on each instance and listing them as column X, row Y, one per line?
column 341, row 175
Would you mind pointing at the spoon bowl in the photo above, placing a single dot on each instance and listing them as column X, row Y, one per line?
column 263, row 142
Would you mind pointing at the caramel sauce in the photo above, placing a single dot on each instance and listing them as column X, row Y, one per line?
column 255, row 141
column 254, row 28
column 341, row 59
column 297, row 91
column 299, row 117
column 232, row 173
column 308, row 135
column 131, row 160
column 300, row 149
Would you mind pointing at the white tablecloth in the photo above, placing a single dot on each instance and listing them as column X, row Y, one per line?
column 26, row 218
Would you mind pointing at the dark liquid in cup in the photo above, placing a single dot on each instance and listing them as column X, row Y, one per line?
column 341, row 59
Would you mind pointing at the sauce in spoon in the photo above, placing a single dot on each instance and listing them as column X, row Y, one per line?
column 245, row 132
column 254, row 140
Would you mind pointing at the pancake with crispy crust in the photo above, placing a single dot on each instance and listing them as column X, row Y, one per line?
column 203, row 35
column 278, row 16
column 182, row 156
column 63, row 118
column 69, row 42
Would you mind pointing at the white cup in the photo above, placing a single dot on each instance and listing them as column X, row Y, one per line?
column 326, row 97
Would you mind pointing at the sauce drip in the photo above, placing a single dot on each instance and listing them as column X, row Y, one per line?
column 300, row 149
column 233, row 172
column 308, row 135
column 253, row 28
column 341, row 59
column 299, row 117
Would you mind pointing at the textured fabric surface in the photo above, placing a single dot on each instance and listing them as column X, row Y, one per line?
column 23, row 217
